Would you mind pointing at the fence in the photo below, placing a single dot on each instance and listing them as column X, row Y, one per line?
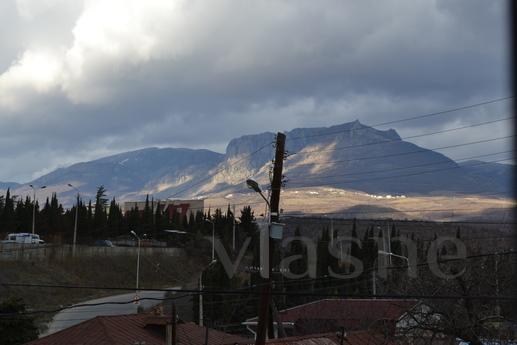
column 62, row 252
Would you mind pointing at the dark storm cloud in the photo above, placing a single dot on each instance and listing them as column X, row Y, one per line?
column 110, row 76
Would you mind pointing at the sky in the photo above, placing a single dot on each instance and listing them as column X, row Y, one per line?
column 81, row 79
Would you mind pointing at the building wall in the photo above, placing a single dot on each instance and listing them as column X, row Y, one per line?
column 184, row 207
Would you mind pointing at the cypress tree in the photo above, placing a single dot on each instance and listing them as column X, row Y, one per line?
column 99, row 217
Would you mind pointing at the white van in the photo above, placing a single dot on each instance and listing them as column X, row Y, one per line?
column 23, row 238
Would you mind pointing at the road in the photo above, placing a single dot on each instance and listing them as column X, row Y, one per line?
column 73, row 316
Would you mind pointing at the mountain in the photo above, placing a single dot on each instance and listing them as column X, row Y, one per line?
column 132, row 174
column 353, row 156
column 500, row 175
column 6, row 185
column 350, row 156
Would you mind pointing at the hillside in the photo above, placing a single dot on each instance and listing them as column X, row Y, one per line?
column 350, row 156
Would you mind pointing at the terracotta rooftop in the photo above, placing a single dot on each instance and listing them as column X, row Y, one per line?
column 351, row 338
column 134, row 329
column 353, row 314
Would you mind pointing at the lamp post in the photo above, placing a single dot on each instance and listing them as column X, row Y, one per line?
column 382, row 252
column 76, row 217
column 34, row 207
column 201, row 292
column 137, row 264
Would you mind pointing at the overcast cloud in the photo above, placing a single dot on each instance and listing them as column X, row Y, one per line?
column 82, row 79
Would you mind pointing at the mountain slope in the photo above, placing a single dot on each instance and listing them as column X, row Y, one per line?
column 499, row 175
column 350, row 156
column 6, row 185
column 135, row 173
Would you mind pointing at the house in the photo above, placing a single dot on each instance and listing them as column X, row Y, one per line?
column 328, row 315
column 184, row 208
column 134, row 329
column 334, row 338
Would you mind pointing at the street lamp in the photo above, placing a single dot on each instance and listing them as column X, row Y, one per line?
column 201, row 294
column 34, row 207
column 252, row 184
column 76, row 216
column 137, row 264
column 175, row 231
column 382, row 252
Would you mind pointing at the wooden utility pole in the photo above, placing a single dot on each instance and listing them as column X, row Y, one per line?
column 170, row 332
column 265, row 318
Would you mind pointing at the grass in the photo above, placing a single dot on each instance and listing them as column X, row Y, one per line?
column 156, row 271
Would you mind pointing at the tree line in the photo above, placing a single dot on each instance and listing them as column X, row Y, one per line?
column 103, row 218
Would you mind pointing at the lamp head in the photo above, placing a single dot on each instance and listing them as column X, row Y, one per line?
column 175, row 231
column 252, row 184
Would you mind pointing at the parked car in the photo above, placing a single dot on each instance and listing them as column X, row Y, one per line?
column 23, row 238
column 104, row 243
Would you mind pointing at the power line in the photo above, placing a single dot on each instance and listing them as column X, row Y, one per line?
column 410, row 152
column 409, row 137
column 212, row 291
column 409, row 167
column 419, row 210
column 292, row 294
column 414, row 117
column 434, row 223
column 337, row 161
column 191, row 292
column 379, row 124
column 218, row 171
column 404, row 175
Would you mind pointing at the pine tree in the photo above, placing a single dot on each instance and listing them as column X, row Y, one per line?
column 16, row 330
column 147, row 216
column 8, row 216
column 99, row 216
column 323, row 256
column 297, row 267
column 115, row 219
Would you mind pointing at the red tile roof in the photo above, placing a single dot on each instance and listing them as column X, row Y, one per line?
column 351, row 338
column 131, row 329
column 353, row 314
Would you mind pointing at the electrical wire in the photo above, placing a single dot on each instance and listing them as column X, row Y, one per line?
column 391, row 141
column 409, row 167
column 218, row 171
column 410, row 118
column 408, row 152
column 404, row 175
